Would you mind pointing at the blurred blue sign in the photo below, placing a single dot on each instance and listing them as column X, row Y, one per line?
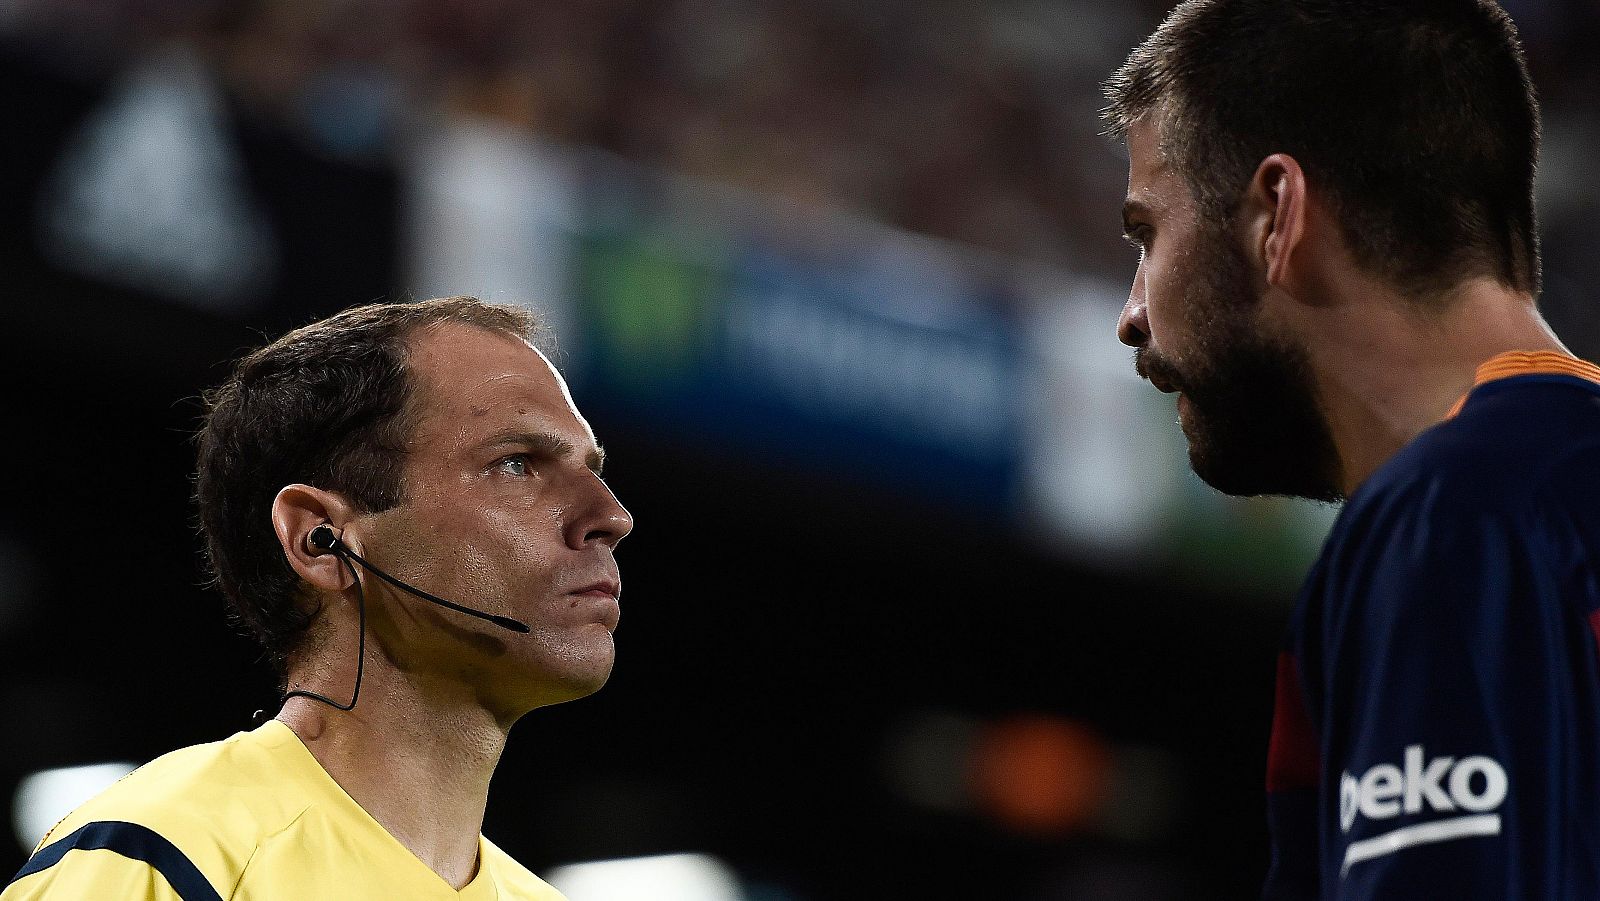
column 811, row 348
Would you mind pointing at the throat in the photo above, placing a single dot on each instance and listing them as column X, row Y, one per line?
column 424, row 779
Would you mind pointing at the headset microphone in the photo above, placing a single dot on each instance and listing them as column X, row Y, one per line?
column 323, row 537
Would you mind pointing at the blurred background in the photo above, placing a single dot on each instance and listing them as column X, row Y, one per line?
column 923, row 601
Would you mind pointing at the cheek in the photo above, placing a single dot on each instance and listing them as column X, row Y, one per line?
column 1163, row 305
column 504, row 575
column 1190, row 304
column 510, row 544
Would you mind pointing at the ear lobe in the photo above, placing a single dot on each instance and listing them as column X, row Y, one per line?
column 1277, row 201
column 297, row 511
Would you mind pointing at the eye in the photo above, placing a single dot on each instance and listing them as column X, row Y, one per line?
column 515, row 465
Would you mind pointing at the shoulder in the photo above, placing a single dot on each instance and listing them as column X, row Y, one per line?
column 202, row 808
column 1513, row 439
column 1499, row 501
column 1519, row 450
column 220, row 787
column 515, row 881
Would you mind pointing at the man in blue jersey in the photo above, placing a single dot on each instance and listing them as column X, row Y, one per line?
column 1338, row 272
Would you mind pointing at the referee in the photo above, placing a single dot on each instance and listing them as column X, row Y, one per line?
column 1333, row 202
column 403, row 505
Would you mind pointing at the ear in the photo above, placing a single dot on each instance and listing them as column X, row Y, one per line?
column 295, row 512
column 1275, row 210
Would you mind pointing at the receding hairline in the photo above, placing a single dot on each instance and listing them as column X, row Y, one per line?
column 409, row 337
column 419, row 318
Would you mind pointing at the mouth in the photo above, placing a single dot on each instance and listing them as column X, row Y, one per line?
column 608, row 589
column 600, row 600
column 1142, row 366
column 1162, row 385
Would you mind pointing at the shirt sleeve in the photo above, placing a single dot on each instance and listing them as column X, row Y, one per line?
column 93, row 874
column 1461, row 690
column 113, row 860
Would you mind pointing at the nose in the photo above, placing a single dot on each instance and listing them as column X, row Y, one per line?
column 605, row 520
column 1133, row 326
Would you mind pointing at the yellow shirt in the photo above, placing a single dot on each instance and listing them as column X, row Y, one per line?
column 250, row 818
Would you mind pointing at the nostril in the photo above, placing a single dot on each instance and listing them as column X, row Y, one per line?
column 1130, row 333
column 1131, row 324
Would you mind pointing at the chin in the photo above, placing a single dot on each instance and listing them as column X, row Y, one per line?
column 1256, row 476
column 546, row 694
column 575, row 679
column 1263, row 435
column 552, row 676
column 581, row 685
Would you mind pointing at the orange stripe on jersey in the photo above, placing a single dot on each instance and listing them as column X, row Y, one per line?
column 1529, row 362
column 1522, row 362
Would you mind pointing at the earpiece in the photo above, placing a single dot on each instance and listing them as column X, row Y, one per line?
column 322, row 537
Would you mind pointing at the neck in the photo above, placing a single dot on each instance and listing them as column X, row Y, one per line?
column 420, row 771
column 1386, row 371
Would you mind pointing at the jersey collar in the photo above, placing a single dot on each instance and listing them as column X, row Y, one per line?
column 1513, row 363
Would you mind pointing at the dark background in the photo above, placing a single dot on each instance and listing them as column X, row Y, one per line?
column 790, row 629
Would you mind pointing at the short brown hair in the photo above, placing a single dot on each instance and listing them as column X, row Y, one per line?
column 326, row 405
column 1417, row 118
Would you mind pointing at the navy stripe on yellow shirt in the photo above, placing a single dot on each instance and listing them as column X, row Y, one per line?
column 131, row 841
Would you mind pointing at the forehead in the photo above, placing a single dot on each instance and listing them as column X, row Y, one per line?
column 470, row 379
column 1151, row 181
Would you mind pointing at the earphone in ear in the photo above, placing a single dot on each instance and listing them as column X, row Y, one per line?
column 322, row 538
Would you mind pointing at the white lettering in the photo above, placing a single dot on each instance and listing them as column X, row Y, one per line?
column 1442, row 785
column 1424, row 781
column 1495, row 784
column 1379, row 787
column 1349, row 801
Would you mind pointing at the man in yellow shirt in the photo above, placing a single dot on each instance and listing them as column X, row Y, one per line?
column 402, row 503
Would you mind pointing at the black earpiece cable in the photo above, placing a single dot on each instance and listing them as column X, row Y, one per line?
column 361, row 646
column 323, row 537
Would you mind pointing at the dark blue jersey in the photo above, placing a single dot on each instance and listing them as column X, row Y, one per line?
column 1437, row 732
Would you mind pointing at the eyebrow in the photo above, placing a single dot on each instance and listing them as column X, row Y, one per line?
column 545, row 444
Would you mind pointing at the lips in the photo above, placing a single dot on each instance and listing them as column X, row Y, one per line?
column 1160, row 381
column 601, row 598
column 1162, row 385
column 1153, row 370
column 610, row 588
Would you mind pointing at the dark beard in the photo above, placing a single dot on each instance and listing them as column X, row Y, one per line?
column 1255, row 425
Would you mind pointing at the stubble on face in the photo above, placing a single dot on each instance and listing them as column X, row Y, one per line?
column 1252, row 417
column 495, row 537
